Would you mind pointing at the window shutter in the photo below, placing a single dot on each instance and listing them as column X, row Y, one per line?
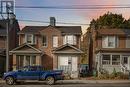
column 65, row 40
column 74, row 40
column 104, row 41
column 128, row 42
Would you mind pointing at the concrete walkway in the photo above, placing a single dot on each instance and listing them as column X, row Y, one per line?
column 84, row 81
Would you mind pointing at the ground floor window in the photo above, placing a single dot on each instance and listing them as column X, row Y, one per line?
column 108, row 59
column 115, row 59
column 22, row 60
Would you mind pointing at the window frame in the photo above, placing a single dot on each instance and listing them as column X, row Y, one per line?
column 53, row 42
column 46, row 41
column 108, row 63
column 106, row 40
column 73, row 40
column 33, row 39
column 111, row 60
column 119, row 61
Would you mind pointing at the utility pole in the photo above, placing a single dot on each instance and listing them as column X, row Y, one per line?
column 7, row 39
column 7, row 8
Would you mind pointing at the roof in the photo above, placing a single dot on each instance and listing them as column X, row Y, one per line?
column 122, row 50
column 32, row 29
column 63, row 29
column 112, row 31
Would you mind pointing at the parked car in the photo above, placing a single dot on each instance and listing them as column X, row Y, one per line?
column 33, row 73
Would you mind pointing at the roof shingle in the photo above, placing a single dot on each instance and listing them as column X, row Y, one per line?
column 63, row 29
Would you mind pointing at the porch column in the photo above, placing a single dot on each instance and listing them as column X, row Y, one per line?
column 55, row 62
column 14, row 62
column 38, row 60
column 129, row 63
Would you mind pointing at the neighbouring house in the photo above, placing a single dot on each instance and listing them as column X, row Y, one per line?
column 13, row 40
column 53, row 47
column 111, row 49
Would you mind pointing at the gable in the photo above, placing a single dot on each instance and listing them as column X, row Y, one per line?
column 67, row 49
column 26, row 48
column 49, row 31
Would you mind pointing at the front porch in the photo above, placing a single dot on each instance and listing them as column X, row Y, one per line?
column 25, row 55
column 110, row 61
column 66, row 58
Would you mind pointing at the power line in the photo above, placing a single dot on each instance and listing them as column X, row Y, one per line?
column 76, row 7
column 49, row 22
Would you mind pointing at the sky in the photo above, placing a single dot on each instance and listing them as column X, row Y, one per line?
column 62, row 15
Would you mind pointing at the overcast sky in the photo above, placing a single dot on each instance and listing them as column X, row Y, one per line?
column 62, row 15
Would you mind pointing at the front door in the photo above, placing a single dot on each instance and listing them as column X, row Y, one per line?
column 126, row 61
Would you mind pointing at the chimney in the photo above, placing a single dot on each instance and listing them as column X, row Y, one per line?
column 52, row 21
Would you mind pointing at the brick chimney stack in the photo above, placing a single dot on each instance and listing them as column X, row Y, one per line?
column 52, row 21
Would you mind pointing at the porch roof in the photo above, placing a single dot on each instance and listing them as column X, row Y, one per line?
column 67, row 49
column 26, row 48
column 119, row 50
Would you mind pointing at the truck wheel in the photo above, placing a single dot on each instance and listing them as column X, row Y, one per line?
column 50, row 80
column 9, row 80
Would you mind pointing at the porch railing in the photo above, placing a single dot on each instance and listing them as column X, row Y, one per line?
column 124, row 69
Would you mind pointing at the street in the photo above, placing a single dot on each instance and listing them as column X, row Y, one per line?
column 42, row 84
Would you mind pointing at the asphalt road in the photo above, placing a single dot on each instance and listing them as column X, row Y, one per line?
column 41, row 84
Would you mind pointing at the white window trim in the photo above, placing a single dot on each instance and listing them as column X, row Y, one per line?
column 55, row 44
column 110, row 59
column 127, row 42
column 74, row 39
column 32, row 39
column 105, row 44
column 46, row 41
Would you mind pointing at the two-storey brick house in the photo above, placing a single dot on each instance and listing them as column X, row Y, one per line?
column 111, row 49
column 54, row 47
column 13, row 40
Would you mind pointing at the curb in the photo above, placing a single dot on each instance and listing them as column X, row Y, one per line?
column 94, row 81
column 85, row 81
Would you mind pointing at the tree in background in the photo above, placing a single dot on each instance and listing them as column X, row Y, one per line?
column 110, row 20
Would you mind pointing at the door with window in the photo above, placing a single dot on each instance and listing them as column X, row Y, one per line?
column 69, row 64
column 126, row 61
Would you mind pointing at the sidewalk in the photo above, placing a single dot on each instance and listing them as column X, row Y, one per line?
column 84, row 81
column 95, row 81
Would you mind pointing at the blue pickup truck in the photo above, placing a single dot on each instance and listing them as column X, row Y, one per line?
column 33, row 73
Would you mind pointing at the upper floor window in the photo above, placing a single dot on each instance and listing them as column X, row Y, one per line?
column 55, row 41
column 44, row 40
column 30, row 39
column 127, row 42
column 109, row 41
column 70, row 39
